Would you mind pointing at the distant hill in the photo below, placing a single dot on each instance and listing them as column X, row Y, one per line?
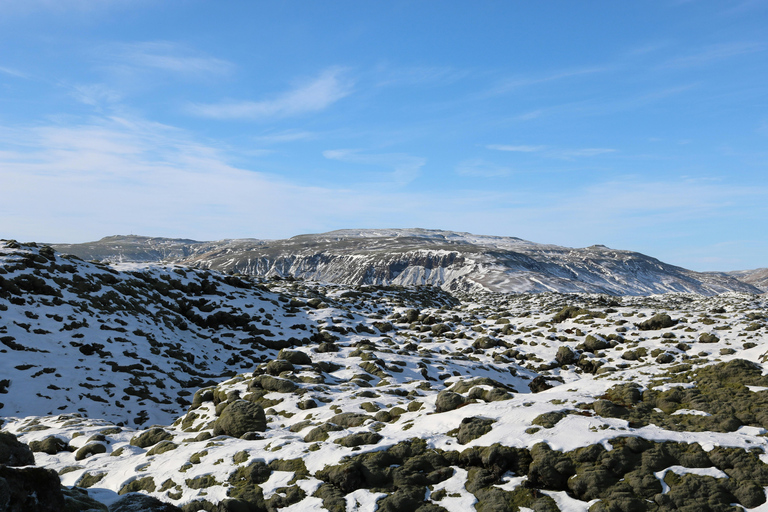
column 450, row 260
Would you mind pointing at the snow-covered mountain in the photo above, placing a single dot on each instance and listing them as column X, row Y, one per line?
column 165, row 388
column 450, row 260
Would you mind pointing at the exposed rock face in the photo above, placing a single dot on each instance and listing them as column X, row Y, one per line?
column 453, row 261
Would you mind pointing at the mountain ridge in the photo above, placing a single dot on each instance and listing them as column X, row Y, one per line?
column 448, row 259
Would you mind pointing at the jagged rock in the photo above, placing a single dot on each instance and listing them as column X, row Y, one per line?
column 239, row 418
column 141, row 503
column 565, row 355
column 13, row 452
column 30, row 489
column 539, row 384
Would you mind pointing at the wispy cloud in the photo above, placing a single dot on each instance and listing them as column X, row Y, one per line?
column 385, row 75
column 166, row 56
column 284, row 136
column 518, row 149
column 95, row 94
column 13, row 72
column 512, row 84
column 479, row 168
column 586, row 152
column 715, row 53
column 316, row 95
column 551, row 152
column 405, row 168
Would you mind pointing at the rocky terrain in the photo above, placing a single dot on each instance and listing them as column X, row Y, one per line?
column 164, row 387
column 409, row 257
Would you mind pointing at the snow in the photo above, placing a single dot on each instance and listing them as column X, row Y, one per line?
column 72, row 391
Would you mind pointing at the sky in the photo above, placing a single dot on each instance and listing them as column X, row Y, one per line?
column 636, row 125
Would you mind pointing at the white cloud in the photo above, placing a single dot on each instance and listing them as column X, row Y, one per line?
column 526, row 81
column 166, row 56
column 95, row 94
column 586, row 152
column 477, row 167
column 717, row 52
column 316, row 95
column 519, row 149
column 405, row 168
column 284, row 136
column 13, row 72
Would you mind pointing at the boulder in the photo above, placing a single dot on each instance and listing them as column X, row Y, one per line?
column 13, row 452
column 141, row 503
column 448, row 401
column 239, row 418
column 30, row 489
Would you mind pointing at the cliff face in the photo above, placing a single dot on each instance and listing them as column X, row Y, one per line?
column 452, row 261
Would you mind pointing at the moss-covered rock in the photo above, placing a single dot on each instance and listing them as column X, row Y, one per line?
column 240, row 417
column 448, row 401
column 13, row 452
column 151, row 437
column 89, row 450
column 50, row 445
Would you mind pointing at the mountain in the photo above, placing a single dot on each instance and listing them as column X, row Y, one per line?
column 450, row 260
column 165, row 388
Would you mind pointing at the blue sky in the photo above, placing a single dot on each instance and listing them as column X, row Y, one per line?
column 637, row 125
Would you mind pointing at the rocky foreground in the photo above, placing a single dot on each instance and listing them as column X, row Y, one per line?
column 168, row 388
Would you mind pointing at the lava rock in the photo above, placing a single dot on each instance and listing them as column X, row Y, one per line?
column 240, row 417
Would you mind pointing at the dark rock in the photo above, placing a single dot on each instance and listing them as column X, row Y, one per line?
column 30, row 490
column 50, row 445
column 359, row 439
column 539, row 384
column 279, row 366
column 660, row 321
column 472, row 428
column 141, row 503
column 239, row 418
column 294, row 357
column 89, row 450
column 565, row 355
column 448, row 401
column 13, row 452
column 151, row 437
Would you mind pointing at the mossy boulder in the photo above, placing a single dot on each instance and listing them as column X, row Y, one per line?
column 240, row 417
column 359, row 439
column 90, row 450
column 349, row 419
column 565, row 355
column 278, row 366
column 548, row 419
column 162, row 447
column 656, row 322
column 294, row 357
column 143, row 503
column 77, row 500
column 30, row 489
column 151, row 437
column 50, row 445
column 13, row 452
column 472, row 428
column 448, row 401
column 270, row 383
